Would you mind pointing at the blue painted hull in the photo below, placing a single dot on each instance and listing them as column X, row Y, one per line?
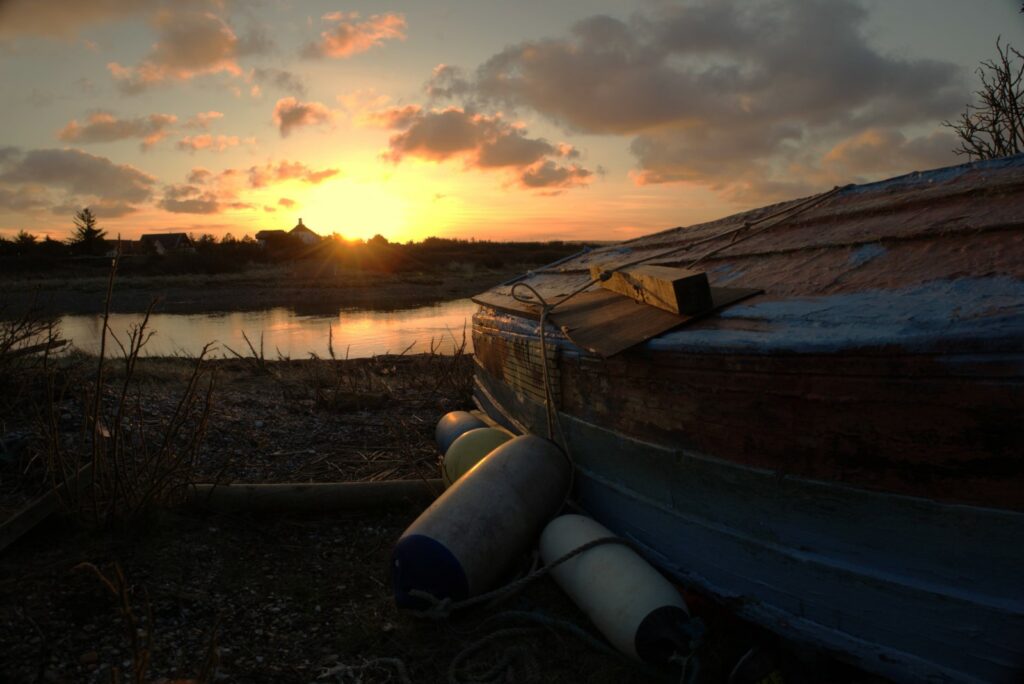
column 909, row 588
column 841, row 458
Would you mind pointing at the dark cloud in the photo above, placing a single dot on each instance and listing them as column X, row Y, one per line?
column 447, row 82
column 8, row 154
column 712, row 89
column 878, row 150
column 103, row 127
column 347, row 34
column 189, row 44
column 199, row 175
column 290, row 113
column 81, row 174
column 280, row 79
column 102, row 209
column 480, row 141
column 192, row 199
column 23, row 199
column 63, row 18
column 551, row 175
column 255, row 41
column 189, row 199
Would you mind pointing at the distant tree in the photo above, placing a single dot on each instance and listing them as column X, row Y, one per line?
column 995, row 126
column 204, row 242
column 24, row 243
column 377, row 240
column 87, row 238
column 51, row 248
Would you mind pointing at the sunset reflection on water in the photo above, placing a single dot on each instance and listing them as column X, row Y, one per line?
column 356, row 332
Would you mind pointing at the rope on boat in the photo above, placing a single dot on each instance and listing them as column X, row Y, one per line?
column 551, row 410
column 440, row 609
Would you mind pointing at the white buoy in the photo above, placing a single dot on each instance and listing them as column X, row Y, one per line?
column 454, row 424
column 468, row 450
column 460, row 546
column 635, row 608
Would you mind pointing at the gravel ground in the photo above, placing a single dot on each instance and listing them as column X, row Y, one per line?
column 178, row 595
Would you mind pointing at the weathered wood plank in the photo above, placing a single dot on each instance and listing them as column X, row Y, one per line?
column 607, row 323
column 676, row 290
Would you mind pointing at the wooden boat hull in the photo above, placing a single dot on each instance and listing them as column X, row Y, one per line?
column 840, row 459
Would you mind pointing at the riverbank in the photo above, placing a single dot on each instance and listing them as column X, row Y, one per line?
column 255, row 289
column 277, row 598
column 285, row 597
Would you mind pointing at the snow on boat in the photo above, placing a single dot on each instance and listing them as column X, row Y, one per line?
column 837, row 449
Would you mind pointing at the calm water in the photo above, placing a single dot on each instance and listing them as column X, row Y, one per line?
column 356, row 332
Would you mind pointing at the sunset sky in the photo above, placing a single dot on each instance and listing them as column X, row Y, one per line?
column 575, row 119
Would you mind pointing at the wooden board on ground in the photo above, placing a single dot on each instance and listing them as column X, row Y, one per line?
column 39, row 509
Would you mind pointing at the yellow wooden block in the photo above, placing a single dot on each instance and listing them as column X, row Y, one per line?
column 677, row 290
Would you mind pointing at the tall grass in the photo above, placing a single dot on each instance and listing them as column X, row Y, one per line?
column 133, row 462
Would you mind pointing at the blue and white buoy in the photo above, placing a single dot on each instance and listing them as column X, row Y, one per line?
column 460, row 546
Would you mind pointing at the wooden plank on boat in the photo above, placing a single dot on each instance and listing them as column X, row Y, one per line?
column 507, row 303
column 607, row 323
column 676, row 290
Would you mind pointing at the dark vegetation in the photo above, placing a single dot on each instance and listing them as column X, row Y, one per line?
column 88, row 253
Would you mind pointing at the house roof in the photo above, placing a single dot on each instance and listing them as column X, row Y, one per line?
column 300, row 228
column 166, row 240
column 264, row 234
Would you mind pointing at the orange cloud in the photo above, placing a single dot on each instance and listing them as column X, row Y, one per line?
column 103, row 127
column 262, row 176
column 219, row 143
column 290, row 113
column 202, row 120
column 348, row 36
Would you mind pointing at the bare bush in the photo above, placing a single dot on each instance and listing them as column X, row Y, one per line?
column 134, row 460
column 995, row 126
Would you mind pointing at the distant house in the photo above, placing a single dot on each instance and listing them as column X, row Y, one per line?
column 303, row 233
column 164, row 243
column 123, row 247
column 269, row 236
